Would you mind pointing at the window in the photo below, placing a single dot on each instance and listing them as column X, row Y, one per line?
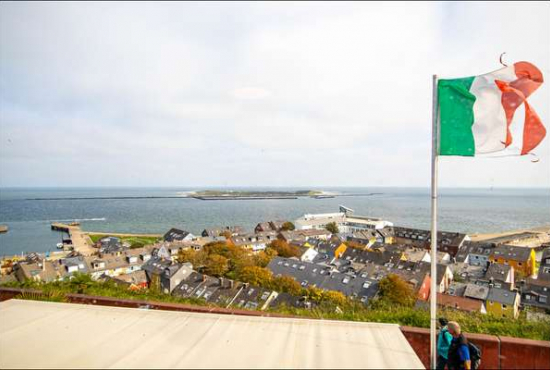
column 542, row 299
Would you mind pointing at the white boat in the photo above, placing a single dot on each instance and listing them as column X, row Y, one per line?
column 59, row 245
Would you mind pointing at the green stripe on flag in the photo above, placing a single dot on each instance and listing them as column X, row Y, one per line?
column 456, row 117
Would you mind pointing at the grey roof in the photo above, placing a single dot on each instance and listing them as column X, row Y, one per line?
column 536, row 293
column 78, row 261
column 512, row 253
column 366, row 256
column 481, row 249
column 497, row 271
column 544, row 269
column 156, row 265
column 457, row 289
column 310, row 274
column 175, row 234
column 217, row 231
column 502, row 296
column 476, row 291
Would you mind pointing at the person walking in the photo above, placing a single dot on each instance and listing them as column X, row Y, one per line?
column 443, row 343
column 459, row 352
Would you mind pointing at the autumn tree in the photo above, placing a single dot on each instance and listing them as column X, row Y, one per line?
column 286, row 284
column 255, row 275
column 197, row 259
column 395, row 291
column 334, row 297
column 284, row 249
column 216, row 265
column 332, row 227
column 288, row 226
column 263, row 258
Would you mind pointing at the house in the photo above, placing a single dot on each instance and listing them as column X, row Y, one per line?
column 365, row 237
column 475, row 254
column 177, row 235
column 269, row 226
column 226, row 292
column 109, row 242
column 330, row 250
column 136, row 280
column 225, row 231
column 536, row 294
column 544, row 269
column 44, row 271
column 503, row 302
column 521, row 258
column 74, row 264
column 461, row 303
column 423, row 293
column 385, row 258
column 457, row 289
column 346, row 223
column 355, row 286
column 498, row 272
column 415, row 273
column 442, row 257
column 163, row 275
column 255, row 242
column 476, row 291
column 119, row 263
column 449, row 242
column 387, row 234
column 309, row 254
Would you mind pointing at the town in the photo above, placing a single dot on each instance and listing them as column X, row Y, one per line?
column 301, row 263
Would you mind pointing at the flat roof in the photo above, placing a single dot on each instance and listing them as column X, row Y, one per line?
column 36, row 334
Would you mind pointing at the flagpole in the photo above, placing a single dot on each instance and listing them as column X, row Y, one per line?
column 433, row 274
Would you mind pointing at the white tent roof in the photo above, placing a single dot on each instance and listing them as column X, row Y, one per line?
column 61, row 335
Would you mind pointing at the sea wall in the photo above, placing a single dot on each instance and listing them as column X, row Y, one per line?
column 497, row 352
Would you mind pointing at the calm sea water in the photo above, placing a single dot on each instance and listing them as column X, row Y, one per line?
column 464, row 210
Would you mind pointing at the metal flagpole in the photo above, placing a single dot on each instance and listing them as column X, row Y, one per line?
column 433, row 275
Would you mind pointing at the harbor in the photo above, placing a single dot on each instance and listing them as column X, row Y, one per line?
column 79, row 240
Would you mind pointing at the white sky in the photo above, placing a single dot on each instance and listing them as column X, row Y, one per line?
column 251, row 94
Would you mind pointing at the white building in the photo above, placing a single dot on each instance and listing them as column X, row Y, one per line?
column 346, row 223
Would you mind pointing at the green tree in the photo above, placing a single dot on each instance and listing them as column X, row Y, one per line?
column 256, row 276
column 216, row 265
column 332, row 227
column 288, row 226
column 395, row 291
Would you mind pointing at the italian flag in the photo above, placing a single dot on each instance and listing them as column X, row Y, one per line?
column 475, row 113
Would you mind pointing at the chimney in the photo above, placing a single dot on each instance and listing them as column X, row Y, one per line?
column 203, row 278
column 43, row 265
column 221, row 282
column 231, row 284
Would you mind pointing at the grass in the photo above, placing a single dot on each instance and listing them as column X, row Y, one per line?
column 470, row 322
column 144, row 240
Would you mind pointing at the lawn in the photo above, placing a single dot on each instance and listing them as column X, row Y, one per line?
column 132, row 240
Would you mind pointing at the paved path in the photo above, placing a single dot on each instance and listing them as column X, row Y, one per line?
column 81, row 242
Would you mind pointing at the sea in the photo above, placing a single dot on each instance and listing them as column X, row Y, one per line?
column 462, row 210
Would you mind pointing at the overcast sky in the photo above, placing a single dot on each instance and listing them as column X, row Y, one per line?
column 251, row 94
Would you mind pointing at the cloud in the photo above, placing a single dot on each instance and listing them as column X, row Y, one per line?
column 250, row 93
column 215, row 93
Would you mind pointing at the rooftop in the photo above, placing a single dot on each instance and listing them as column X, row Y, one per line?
column 130, row 338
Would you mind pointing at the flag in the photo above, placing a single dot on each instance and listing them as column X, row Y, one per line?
column 475, row 113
